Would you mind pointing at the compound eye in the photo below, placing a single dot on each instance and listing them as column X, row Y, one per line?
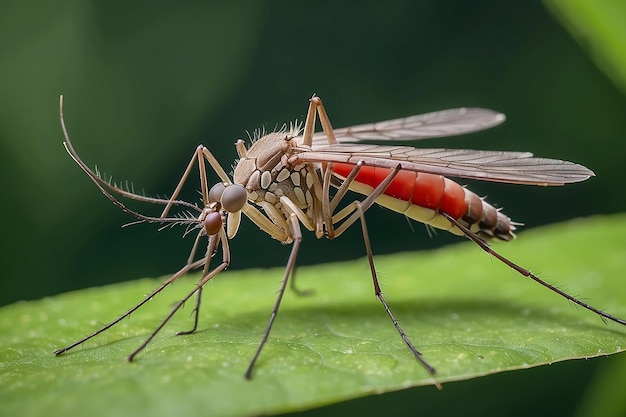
column 233, row 198
column 212, row 223
column 215, row 193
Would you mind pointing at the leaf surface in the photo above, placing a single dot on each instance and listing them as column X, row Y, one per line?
column 467, row 313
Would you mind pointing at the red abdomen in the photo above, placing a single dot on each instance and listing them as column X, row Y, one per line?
column 422, row 197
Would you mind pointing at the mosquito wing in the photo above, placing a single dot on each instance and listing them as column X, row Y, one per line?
column 423, row 126
column 508, row 167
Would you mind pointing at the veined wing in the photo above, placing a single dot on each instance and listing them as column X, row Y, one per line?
column 429, row 125
column 508, row 167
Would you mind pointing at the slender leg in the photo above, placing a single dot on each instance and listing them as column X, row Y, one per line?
column 324, row 120
column 191, row 265
column 302, row 218
column 167, row 282
column 205, row 278
column 201, row 155
column 525, row 272
column 297, row 238
column 196, row 313
column 309, row 124
column 368, row 201
column 329, row 206
column 197, row 155
column 196, row 309
column 345, row 186
column 381, row 298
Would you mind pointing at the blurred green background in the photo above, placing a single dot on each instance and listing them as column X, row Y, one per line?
column 146, row 82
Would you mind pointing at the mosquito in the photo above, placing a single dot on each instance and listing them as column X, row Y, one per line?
column 283, row 182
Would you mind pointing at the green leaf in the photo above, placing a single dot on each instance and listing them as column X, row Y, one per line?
column 468, row 314
column 598, row 25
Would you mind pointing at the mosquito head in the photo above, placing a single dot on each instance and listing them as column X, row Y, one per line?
column 212, row 222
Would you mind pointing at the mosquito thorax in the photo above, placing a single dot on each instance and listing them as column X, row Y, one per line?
column 263, row 155
column 267, row 175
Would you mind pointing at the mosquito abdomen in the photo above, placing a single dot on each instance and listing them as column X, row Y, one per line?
column 422, row 197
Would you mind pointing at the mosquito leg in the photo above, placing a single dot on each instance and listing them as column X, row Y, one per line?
column 525, row 272
column 302, row 217
column 326, row 211
column 309, row 124
column 196, row 313
column 329, row 206
column 325, row 121
column 297, row 238
column 369, row 200
column 208, row 156
column 197, row 155
column 345, row 185
column 381, row 298
column 316, row 105
column 317, row 214
column 177, row 306
column 196, row 310
column 201, row 155
column 167, row 282
column 213, row 239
